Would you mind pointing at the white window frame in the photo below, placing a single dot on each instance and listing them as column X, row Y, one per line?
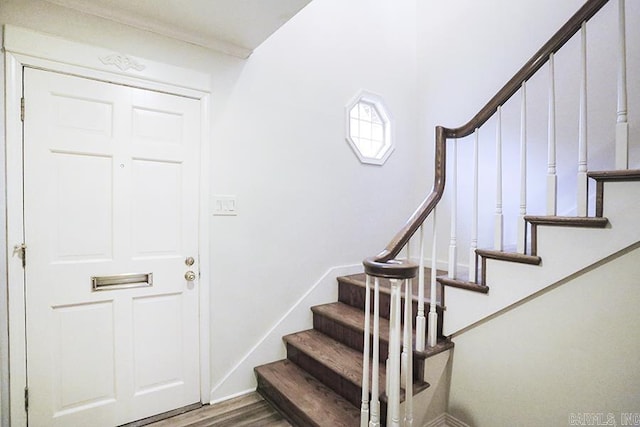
column 378, row 104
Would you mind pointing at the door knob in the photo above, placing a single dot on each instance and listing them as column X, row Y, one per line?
column 190, row 276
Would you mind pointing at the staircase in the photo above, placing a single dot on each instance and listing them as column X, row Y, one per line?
column 320, row 382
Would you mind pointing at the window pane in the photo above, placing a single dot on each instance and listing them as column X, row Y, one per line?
column 365, row 112
column 365, row 130
column 375, row 116
column 354, row 112
column 376, row 133
column 376, row 149
column 354, row 128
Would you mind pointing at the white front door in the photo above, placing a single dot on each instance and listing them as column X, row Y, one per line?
column 110, row 218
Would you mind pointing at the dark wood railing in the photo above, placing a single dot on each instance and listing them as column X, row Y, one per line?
column 382, row 265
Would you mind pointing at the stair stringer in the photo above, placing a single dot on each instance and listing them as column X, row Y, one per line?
column 564, row 252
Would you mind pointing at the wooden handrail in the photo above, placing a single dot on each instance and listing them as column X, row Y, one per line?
column 423, row 211
column 559, row 39
column 540, row 58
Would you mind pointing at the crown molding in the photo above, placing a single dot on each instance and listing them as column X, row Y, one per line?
column 157, row 27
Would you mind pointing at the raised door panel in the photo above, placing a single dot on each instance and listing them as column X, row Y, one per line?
column 81, row 217
column 157, row 198
column 84, row 357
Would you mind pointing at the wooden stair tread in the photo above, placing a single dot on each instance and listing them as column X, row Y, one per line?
column 509, row 256
column 353, row 318
column 334, row 355
column 350, row 317
column 307, row 401
column 568, row 221
column 462, row 283
column 385, row 285
column 342, row 360
column 615, row 175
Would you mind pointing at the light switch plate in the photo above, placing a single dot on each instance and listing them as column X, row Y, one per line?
column 224, row 205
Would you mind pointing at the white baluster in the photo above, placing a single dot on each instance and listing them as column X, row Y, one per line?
column 453, row 244
column 552, row 177
column 622, row 125
column 523, row 171
column 404, row 356
column 364, row 408
column 421, row 321
column 407, row 345
column 406, row 331
column 374, row 407
column 499, row 222
column 582, row 137
column 393, row 363
column 387, row 367
column 408, row 247
column 433, row 315
column 473, row 270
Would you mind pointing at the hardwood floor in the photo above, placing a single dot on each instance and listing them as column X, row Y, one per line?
column 244, row 411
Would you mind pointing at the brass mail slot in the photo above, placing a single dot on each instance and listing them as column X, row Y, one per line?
column 121, row 281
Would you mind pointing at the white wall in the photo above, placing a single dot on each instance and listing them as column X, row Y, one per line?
column 571, row 350
column 306, row 204
column 305, row 201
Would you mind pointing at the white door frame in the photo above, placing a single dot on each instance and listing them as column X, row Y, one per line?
column 29, row 48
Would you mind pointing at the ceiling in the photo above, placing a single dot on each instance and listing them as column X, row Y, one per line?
column 234, row 27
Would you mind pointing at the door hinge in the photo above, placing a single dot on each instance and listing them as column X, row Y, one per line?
column 26, row 399
column 22, row 109
column 21, row 251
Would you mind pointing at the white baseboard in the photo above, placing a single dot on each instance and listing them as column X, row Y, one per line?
column 269, row 347
column 232, row 396
column 446, row 420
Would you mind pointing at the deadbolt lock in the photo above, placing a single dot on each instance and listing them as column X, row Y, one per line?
column 189, row 261
column 190, row 276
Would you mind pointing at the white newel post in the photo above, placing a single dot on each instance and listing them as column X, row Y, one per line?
column 499, row 220
column 453, row 242
column 522, row 231
column 433, row 315
column 552, row 177
column 582, row 137
column 622, row 125
column 473, row 270
column 364, row 408
column 421, row 321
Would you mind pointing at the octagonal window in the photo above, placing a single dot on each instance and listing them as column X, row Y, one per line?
column 369, row 128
